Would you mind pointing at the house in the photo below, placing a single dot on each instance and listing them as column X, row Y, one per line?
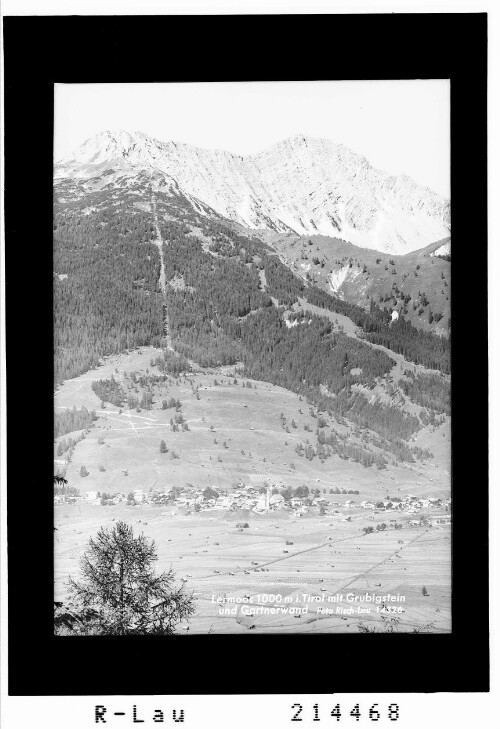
column 349, row 504
column 139, row 496
column 91, row 495
column 276, row 500
column 414, row 522
column 295, row 501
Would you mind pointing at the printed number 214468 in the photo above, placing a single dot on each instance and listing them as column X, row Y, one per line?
column 374, row 713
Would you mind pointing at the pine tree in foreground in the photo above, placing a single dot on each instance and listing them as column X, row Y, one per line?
column 119, row 592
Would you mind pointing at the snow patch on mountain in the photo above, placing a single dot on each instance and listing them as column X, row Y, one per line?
column 340, row 276
column 444, row 250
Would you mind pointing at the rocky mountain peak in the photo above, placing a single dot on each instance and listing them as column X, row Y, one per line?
column 302, row 184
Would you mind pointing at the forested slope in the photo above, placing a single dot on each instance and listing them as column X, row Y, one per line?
column 106, row 295
column 228, row 300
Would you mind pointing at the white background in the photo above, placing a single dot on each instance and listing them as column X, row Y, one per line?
column 460, row 711
column 401, row 127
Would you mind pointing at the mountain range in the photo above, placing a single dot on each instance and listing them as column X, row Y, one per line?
column 300, row 186
column 208, row 335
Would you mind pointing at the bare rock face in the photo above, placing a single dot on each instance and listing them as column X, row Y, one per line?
column 301, row 185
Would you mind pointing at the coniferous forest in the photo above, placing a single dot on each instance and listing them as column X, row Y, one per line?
column 68, row 420
column 228, row 299
column 106, row 297
column 425, row 348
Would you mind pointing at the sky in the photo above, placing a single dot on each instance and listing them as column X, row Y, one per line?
column 400, row 126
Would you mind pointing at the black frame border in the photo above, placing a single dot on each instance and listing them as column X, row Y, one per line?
column 41, row 51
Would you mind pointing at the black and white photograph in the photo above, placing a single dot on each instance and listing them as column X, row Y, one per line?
column 247, row 378
column 252, row 299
